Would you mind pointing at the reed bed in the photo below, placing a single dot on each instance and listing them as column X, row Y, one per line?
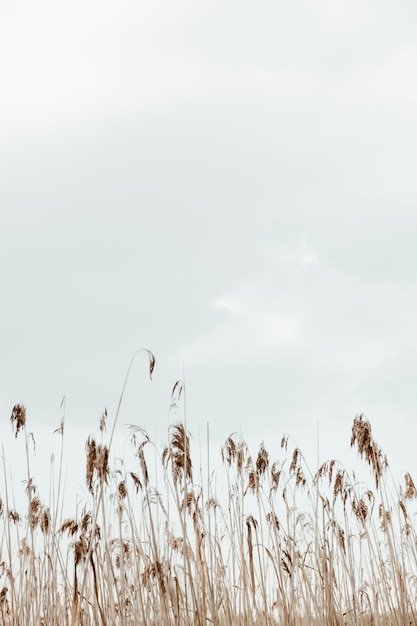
column 161, row 541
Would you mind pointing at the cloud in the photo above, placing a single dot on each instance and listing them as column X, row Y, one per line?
column 309, row 259
column 89, row 62
column 229, row 304
column 260, row 318
column 252, row 329
column 297, row 306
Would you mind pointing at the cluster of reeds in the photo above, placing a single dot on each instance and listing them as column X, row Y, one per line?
column 157, row 544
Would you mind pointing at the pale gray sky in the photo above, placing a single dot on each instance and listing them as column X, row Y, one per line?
column 230, row 184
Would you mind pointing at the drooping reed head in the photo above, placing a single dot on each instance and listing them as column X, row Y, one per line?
column 18, row 418
column 367, row 447
column 97, row 460
column 179, row 454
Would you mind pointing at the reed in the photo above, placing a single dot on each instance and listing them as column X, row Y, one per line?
column 155, row 544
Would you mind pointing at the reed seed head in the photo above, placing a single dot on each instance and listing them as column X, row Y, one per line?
column 18, row 418
column 262, row 461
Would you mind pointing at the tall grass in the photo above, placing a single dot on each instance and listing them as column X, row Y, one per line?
column 157, row 543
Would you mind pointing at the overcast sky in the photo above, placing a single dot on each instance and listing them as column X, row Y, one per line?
column 230, row 184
